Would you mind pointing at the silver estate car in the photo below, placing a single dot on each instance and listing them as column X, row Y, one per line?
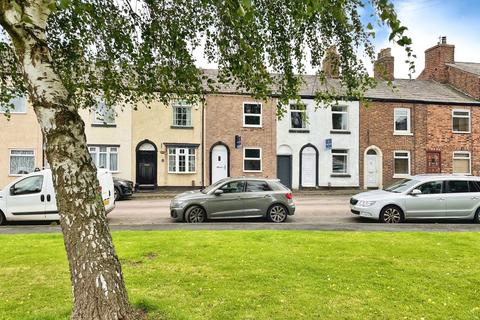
column 422, row 197
column 235, row 198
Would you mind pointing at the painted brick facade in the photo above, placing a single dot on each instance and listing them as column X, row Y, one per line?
column 224, row 120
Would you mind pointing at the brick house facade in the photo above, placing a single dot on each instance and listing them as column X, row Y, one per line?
column 228, row 116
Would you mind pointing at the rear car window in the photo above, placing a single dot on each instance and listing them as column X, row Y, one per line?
column 457, row 186
column 474, row 187
column 277, row 186
column 257, row 186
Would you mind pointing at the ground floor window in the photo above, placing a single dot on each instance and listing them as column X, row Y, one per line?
column 461, row 162
column 252, row 159
column 339, row 161
column 401, row 163
column 22, row 161
column 181, row 160
column 105, row 157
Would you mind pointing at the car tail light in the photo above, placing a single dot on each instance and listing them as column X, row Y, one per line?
column 289, row 196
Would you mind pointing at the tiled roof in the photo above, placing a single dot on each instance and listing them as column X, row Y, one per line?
column 404, row 89
column 472, row 67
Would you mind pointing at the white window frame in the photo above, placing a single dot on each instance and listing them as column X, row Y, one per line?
column 455, row 157
column 347, row 158
column 109, row 152
column 457, row 116
column 177, row 160
column 245, row 158
column 12, row 111
column 181, row 104
column 409, row 125
column 303, row 111
column 341, row 113
column 19, row 155
column 98, row 118
column 252, row 115
column 402, row 175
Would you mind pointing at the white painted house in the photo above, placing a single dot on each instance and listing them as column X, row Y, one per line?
column 317, row 146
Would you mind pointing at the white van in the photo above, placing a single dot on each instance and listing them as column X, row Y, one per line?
column 32, row 197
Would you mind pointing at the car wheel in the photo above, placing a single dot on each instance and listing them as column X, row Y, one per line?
column 3, row 220
column 116, row 193
column 391, row 214
column 277, row 213
column 476, row 218
column 195, row 214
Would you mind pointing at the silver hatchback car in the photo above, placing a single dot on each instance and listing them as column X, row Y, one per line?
column 235, row 198
column 422, row 197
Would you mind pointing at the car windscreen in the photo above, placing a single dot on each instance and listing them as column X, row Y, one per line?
column 213, row 186
column 402, row 186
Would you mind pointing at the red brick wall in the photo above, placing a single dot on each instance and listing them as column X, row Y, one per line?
column 224, row 120
column 466, row 82
column 435, row 60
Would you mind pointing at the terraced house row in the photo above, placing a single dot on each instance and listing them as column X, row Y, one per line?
column 427, row 125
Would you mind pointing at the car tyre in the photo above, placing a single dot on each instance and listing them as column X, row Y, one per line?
column 116, row 193
column 3, row 220
column 277, row 213
column 476, row 218
column 195, row 214
column 392, row 214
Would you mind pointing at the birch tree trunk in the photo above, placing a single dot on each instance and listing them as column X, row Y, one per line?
column 97, row 283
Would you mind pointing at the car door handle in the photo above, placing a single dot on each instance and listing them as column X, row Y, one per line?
column 441, row 199
column 42, row 198
column 474, row 198
column 49, row 198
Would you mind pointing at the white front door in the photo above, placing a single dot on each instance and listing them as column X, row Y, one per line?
column 309, row 170
column 219, row 163
column 372, row 170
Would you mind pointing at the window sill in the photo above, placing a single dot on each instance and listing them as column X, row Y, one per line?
column 252, row 171
column 98, row 125
column 182, row 173
column 401, row 176
column 182, row 127
column 399, row 133
column 299, row 131
column 462, row 132
column 340, row 175
column 340, row 132
column 252, row 126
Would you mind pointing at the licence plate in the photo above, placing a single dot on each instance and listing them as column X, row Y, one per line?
column 106, row 202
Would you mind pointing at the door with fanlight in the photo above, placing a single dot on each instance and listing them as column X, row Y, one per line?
column 219, row 163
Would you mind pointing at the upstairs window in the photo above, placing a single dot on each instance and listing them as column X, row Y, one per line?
column 298, row 116
column 182, row 115
column 461, row 121
column 461, row 162
column 402, row 121
column 339, row 118
column 252, row 114
column 104, row 115
column 19, row 105
column 22, row 161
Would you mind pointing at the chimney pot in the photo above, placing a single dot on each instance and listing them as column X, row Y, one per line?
column 444, row 40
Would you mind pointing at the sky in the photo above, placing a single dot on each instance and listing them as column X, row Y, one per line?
column 426, row 20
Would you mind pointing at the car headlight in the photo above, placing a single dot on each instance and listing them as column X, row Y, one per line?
column 177, row 203
column 364, row 203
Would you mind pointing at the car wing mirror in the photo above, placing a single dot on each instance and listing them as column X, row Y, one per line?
column 218, row 192
column 12, row 190
column 415, row 192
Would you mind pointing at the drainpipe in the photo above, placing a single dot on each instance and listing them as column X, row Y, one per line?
column 203, row 142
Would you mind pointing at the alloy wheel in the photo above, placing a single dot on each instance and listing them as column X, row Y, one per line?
column 392, row 215
column 277, row 214
column 196, row 215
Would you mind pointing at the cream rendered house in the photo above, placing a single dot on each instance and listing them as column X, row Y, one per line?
column 109, row 138
column 167, row 145
column 20, row 142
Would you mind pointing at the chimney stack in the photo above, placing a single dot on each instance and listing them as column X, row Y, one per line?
column 384, row 67
column 436, row 59
column 331, row 63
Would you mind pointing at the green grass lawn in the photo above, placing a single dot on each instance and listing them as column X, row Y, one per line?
column 260, row 275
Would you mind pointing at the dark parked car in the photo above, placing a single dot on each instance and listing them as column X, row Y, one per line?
column 123, row 188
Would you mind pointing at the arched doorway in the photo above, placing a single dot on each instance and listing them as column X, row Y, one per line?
column 309, row 166
column 219, row 162
column 373, row 175
column 146, row 158
column 284, row 165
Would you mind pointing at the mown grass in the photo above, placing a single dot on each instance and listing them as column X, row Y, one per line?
column 260, row 275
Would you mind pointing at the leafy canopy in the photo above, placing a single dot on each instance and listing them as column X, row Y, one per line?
column 138, row 50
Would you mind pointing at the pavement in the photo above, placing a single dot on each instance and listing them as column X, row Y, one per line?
column 314, row 212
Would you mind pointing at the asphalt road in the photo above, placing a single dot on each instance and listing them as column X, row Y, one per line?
column 313, row 213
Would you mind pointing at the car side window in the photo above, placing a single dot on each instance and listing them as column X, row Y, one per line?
column 233, row 186
column 257, row 186
column 457, row 186
column 474, row 187
column 432, row 187
column 28, row 185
